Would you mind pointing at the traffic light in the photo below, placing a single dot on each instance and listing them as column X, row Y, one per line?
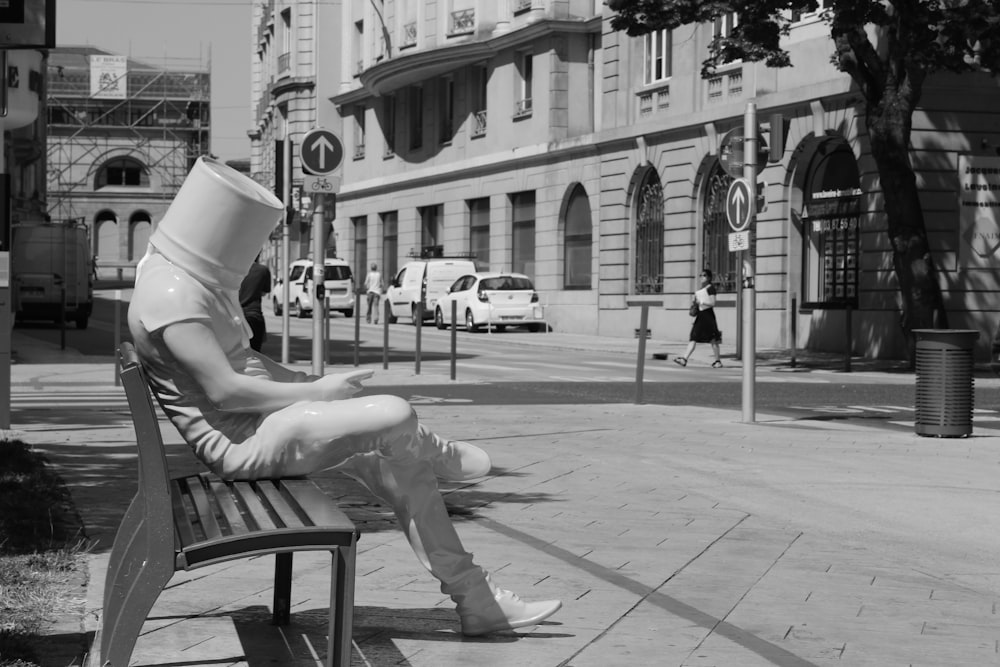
column 778, row 130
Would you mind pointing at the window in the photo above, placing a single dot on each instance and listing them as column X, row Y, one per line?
column 447, row 110
column 416, row 117
column 799, row 15
column 358, row 47
column 479, row 232
column 480, row 79
column 724, row 26
column 715, row 254
column 285, row 41
column 657, row 64
column 390, row 242
column 122, row 172
column 389, row 125
column 360, row 224
column 832, row 235
column 649, row 236
column 359, row 132
column 430, row 226
column 523, row 92
column 577, row 241
column 523, row 233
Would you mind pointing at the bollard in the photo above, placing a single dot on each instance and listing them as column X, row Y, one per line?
column 848, row 336
column 944, row 395
column 357, row 328
column 385, row 333
column 641, row 362
column 454, row 338
column 418, row 323
column 793, row 333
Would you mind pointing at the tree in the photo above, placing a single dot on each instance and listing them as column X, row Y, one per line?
column 888, row 48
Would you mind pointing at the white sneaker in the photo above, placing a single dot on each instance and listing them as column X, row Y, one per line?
column 508, row 611
column 459, row 461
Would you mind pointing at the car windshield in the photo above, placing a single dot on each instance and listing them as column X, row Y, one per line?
column 506, row 283
column 337, row 273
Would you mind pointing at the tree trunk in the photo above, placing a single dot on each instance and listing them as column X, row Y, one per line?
column 888, row 123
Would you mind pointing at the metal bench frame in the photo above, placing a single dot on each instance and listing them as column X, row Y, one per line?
column 187, row 522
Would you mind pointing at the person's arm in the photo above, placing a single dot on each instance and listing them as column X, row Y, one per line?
column 196, row 349
column 280, row 372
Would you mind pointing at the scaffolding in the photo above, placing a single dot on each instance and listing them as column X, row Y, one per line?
column 160, row 120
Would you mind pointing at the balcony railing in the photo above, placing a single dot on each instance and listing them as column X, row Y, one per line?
column 409, row 34
column 462, row 21
column 521, row 6
column 284, row 60
column 359, row 151
column 522, row 108
column 479, row 123
column 359, row 68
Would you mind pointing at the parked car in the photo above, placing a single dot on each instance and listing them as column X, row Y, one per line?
column 496, row 300
column 338, row 283
column 432, row 277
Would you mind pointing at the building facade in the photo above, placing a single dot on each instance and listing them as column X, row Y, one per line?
column 529, row 134
column 122, row 136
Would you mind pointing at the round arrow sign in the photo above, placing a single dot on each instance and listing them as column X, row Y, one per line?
column 321, row 152
column 739, row 204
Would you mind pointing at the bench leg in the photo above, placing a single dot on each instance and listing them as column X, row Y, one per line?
column 282, row 607
column 142, row 577
column 341, row 606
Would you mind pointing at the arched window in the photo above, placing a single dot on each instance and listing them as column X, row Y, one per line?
column 649, row 236
column 577, row 241
column 140, row 226
column 122, row 172
column 715, row 253
column 106, row 236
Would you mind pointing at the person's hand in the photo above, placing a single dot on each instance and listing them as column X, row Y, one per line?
column 341, row 385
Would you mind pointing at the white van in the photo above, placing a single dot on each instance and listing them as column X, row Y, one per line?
column 338, row 283
column 52, row 268
column 432, row 277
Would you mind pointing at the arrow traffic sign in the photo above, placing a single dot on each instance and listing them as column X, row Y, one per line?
column 321, row 152
column 739, row 204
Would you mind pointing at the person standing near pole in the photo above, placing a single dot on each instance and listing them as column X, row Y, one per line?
column 255, row 285
column 373, row 287
column 705, row 328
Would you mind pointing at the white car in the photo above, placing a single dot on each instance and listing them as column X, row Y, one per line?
column 427, row 277
column 338, row 284
column 494, row 300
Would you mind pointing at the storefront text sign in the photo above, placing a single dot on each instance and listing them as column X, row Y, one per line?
column 979, row 212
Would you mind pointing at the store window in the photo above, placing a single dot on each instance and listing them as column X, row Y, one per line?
column 479, row 232
column 360, row 224
column 390, row 242
column 523, row 233
column 831, row 216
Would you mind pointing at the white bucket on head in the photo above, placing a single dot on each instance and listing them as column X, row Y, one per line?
column 217, row 224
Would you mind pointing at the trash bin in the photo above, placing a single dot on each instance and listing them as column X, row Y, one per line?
column 944, row 381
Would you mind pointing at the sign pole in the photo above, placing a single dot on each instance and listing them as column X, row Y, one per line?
column 286, row 260
column 319, row 286
column 749, row 299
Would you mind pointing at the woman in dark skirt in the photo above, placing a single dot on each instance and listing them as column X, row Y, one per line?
column 705, row 329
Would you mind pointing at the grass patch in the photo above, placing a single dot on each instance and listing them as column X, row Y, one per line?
column 41, row 555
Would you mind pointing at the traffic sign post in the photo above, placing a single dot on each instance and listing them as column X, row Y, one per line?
column 321, row 154
column 740, row 204
column 750, row 146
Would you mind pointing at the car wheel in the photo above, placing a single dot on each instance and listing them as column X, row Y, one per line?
column 413, row 316
column 392, row 319
column 499, row 327
column 537, row 326
column 348, row 313
column 276, row 307
column 300, row 312
column 470, row 324
column 439, row 318
column 82, row 321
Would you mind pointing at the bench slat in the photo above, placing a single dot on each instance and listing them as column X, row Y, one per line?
column 316, row 505
column 230, row 511
column 203, row 508
column 279, row 504
column 182, row 521
column 259, row 515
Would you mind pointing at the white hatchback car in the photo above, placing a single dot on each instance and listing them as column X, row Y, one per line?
column 494, row 300
column 338, row 284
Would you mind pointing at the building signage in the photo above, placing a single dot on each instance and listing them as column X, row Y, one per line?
column 978, row 211
column 108, row 77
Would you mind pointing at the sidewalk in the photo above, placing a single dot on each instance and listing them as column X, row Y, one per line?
column 674, row 536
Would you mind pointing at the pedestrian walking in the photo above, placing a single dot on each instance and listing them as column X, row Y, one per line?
column 705, row 328
column 373, row 286
column 255, row 285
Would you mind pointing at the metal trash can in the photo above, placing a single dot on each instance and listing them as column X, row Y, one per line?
column 944, row 382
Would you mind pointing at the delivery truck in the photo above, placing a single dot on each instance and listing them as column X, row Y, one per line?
column 52, row 273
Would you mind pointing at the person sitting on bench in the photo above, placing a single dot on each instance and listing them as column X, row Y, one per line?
column 248, row 417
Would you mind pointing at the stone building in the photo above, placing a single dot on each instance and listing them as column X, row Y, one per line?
column 528, row 133
column 122, row 135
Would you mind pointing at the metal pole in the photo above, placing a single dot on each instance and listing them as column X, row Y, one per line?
column 118, row 334
column 419, row 324
column 385, row 333
column 848, row 343
column 357, row 327
column 640, row 363
column 793, row 326
column 749, row 298
column 454, row 337
column 286, row 260
column 319, row 287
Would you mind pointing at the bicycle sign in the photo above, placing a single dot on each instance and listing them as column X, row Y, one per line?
column 320, row 184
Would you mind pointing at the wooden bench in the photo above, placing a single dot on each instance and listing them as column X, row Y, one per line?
column 191, row 521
